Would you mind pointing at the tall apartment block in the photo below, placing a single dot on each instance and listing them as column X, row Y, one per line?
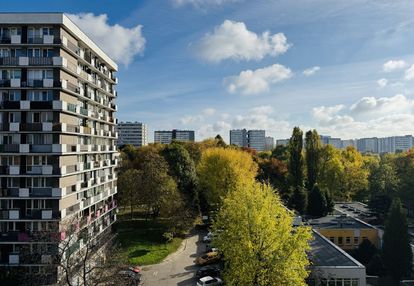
column 254, row 139
column 269, row 143
column 166, row 137
column 132, row 133
column 257, row 139
column 57, row 137
column 238, row 137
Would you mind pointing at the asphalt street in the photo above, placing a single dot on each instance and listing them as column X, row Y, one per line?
column 178, row 268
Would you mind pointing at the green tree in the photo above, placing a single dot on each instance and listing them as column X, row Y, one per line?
column 281, row 152
column 296, row 163
column 259, row 244
column 183, row 170
column 331, row 170
column 299, row 200
column 222, row 170
column 396, row 248
column 220, row 141
column 154, row 183
column 317, row 205
column 312, row 155
column 404, row 164
column 128, row 189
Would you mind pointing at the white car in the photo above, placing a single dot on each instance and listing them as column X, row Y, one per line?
column 209, row 281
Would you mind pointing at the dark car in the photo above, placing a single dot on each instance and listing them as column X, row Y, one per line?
column 130, row 277
column 208, row 271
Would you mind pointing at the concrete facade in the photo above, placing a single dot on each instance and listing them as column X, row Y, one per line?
column 57, row 136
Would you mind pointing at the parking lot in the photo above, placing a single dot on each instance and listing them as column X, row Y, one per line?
column 178, row 268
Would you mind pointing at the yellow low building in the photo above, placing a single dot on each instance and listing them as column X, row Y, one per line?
column 345, row 231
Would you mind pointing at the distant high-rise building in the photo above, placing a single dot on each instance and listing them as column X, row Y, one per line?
column 348, row 143
column 367, row 145
column 256, row 139
column 336, row 142
column 269, row 143
column 282, row 142
column 166, row 137
column 238, row 137
column 132, row 133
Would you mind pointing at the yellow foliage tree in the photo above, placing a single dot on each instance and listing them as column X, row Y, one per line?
column 221, row 170
column 259, row 243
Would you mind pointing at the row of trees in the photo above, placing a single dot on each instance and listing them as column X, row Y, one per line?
column 309, row 175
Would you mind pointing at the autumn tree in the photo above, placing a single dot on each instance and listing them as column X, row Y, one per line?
column 128, row 189
column 221, row 171
column 354, row 181
column 154, row 182
column 313, row 158
column 257, row 239
column 396, row 248
column 331, row 170
column 274, row 172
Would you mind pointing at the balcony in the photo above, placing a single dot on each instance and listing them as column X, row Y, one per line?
column 41, row 148
column 39, row 170
column 13, row 170
column 14, row 259
column 12, row 214
column 40, row 61
column 10, row 148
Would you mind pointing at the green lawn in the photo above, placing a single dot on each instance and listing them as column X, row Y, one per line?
column 142, row 243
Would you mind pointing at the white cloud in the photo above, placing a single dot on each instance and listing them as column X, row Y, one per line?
column 209, row 111
column 383, row 106
column 122, row 45
column 311, row 71
column 382, row 82
column 201, row 3
column 393, row 65
column 250, row 82
column 232, row 40
column 409, row 73
column 369, row 116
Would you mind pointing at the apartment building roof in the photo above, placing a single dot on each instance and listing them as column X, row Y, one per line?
column 56, row 18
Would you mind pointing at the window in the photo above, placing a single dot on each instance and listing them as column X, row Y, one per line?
column 348, row 240
column 5, row 33
column 47, row 31
column 39, row 139
column 33, row 53
column 356, row 240
column 14, row 117
column 332, row 239
column 340, row 240
column 4, row 53
column 40, row 95
column 14, row 31
column 47, row 53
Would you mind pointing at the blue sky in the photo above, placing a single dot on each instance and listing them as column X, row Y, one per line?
column 212, row 65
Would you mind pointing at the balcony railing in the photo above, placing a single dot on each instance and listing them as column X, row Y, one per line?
column 40, row 61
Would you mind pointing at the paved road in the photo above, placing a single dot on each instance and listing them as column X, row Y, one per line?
column 178, row 268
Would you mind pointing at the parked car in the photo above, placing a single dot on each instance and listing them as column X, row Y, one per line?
column 130, row 277
column 209, row 270
column 209, row 281
column 209, row 258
